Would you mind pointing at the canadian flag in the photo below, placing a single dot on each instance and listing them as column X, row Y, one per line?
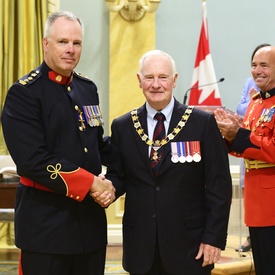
column 204, row 73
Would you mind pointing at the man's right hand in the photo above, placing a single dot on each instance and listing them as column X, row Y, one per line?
column 228, row 124
column 103, row 191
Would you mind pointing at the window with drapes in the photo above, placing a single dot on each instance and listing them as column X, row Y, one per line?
column 21, row 33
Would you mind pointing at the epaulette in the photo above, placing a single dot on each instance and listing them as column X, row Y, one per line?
column 79, row 75
column 30, row 78
column 256, row 96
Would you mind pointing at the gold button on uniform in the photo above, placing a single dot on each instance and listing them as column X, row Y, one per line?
column 85, row 150
column 58, row 78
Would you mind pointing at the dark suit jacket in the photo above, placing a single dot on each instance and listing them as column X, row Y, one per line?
column 188, row 203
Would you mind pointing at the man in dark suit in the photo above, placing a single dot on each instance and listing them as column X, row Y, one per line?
column 177, row 210
column 53, row 130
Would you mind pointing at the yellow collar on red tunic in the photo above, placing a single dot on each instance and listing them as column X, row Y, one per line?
column 60, row 79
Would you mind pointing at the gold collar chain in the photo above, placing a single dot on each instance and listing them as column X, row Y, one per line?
column 157, row 144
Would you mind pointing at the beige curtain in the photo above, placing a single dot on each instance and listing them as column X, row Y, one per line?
column 22, row 26
column 21, row 32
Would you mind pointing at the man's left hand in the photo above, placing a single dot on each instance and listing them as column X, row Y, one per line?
column 211, row 254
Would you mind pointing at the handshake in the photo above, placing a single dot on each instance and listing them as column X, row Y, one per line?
column 103, row 191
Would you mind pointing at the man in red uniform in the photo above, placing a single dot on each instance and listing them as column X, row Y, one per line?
column 254, row 140
column 53, row 129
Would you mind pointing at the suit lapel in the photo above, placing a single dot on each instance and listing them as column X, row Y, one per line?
column 177, row 113
column 142, row 146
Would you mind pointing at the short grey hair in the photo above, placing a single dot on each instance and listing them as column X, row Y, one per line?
column 154, row 53
column 67, row 15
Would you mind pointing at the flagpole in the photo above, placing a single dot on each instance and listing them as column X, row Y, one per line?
column 204, row 73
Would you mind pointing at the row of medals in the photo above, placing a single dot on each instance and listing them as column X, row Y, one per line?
column 177, row 155
column 92, row 116
column 181, row 158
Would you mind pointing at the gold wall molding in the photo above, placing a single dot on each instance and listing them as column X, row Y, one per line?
column 128, row 42
column 53, row 6
column 132, row 10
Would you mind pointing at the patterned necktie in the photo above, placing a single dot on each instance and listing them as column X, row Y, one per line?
column 159, row 134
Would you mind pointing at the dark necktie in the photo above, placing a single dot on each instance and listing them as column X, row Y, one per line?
column 159, row 134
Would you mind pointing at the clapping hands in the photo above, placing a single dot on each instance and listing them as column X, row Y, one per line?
column 228, row 124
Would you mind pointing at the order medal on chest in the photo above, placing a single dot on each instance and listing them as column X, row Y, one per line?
column 177, row 155
column 90, row 115
column 261, row 112
column 185, row 151
column 87, row 114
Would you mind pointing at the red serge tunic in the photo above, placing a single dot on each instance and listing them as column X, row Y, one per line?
column 256, row 141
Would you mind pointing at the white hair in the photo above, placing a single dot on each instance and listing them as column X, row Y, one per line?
column 154, row 53
column 67, row 15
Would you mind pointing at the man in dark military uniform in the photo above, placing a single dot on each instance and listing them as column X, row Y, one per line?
column 52, row 126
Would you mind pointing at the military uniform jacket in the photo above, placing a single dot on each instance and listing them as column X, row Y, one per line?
column 186, row 204
column 56, row 150
column 256, row 141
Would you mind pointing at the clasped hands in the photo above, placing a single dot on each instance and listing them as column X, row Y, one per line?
column 103, row 191
column 228, row 124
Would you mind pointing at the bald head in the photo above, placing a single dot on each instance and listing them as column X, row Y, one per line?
column 268, row 50
column 263, row 68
